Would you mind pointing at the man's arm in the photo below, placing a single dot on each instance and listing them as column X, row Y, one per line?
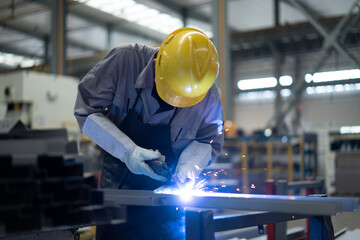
column 208, row 143
column 95, row 94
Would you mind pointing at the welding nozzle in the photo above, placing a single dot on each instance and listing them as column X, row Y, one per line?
column 159, row 166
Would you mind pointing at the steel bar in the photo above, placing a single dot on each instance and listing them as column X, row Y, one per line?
column 305, row 184
column 251, row 202
column 243, row 220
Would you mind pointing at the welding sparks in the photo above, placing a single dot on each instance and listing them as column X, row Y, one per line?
column 200, row 184
column 252, row 185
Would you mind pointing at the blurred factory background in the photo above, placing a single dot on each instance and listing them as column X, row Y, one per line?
column 289, row 80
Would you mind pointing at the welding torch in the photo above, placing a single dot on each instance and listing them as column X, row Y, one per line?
column 160, row 167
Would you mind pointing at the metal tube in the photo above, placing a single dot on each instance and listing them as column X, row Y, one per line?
column 251, row 202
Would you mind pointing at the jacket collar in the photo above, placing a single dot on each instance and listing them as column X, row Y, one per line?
column 147, row 75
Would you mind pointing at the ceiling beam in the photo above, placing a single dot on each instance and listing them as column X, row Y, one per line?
column 43, row 36
column 290, row 39
column 132, row 29
column 21, row 29
column 180, row 9
column 330, row 40
column 7, row 49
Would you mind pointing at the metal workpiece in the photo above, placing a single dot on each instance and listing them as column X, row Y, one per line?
column 312, row 206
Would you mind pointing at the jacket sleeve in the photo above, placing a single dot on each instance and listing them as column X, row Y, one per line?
column 207, row 145
column 97, row 89
column 212, row 126
column 95, row 94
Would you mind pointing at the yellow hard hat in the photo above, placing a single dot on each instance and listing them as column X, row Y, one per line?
column 186, row 67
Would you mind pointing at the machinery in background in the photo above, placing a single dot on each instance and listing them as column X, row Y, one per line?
column 338, row 159
column 39, row 100
column 247, row 161
column 346, row 148
column 43, row 101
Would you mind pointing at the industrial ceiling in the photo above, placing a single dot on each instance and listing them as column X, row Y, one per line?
column 26, row 25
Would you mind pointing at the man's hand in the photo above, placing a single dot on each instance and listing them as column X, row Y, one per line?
column 135, row 162
column 186, row 175
column 192, row 161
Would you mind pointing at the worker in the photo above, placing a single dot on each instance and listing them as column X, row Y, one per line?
column 142, row 103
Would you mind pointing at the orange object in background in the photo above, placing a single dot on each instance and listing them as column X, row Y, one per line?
column 230, row 129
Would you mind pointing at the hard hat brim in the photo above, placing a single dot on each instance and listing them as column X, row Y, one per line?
column 177, row 101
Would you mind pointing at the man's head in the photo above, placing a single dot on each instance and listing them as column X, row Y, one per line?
column 186, row 67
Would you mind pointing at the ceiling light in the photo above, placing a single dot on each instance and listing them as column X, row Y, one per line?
column 310, row 90
column 285, row 80
column 333, row 76
column 257, row 83
column 285, row 92
column 308, row 78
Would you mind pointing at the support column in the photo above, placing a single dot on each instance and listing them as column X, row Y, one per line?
column 58, row 36
column 184, row 16
column 46, row 49
column 222, row 43
column 277, row 71
column 109, row 31
column 298, row 110
column 276, row 13
column 278, row 99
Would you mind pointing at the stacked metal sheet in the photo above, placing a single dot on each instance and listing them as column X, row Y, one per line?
column 41, row 185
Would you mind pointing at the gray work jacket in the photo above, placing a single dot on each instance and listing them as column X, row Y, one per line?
column 111, row 86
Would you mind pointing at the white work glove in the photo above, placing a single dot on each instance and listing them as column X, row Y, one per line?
column 109, row 137
column 135, row 162
column 192, row 161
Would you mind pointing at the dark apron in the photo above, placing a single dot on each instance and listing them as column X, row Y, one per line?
column 142, row 222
